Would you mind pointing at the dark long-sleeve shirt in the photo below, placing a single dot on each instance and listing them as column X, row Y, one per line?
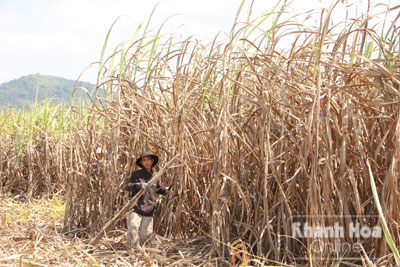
column 147, row 202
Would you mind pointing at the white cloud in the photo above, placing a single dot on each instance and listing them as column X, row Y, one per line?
column 5, row 20
column 26, row 42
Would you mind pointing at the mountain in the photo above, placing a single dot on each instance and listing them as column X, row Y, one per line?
column 22, row 91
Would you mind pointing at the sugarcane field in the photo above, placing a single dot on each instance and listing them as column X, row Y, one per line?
column 274, row 144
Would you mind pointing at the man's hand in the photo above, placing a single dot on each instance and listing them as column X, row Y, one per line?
column 145, row 186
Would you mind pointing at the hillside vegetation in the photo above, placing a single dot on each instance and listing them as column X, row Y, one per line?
column 23, row 91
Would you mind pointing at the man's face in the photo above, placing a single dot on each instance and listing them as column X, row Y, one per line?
column 147, row 162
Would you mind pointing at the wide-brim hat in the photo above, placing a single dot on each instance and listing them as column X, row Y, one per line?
column 155, row 157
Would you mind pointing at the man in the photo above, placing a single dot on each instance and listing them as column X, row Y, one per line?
column 140, row 220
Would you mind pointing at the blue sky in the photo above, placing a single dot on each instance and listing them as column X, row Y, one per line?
column 62, row 37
